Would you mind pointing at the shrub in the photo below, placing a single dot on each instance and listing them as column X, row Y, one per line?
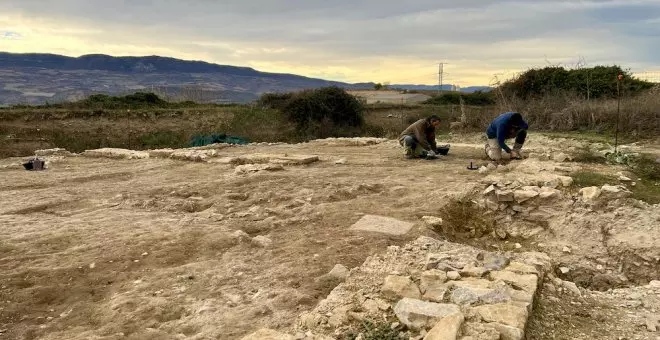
column 275, row 100
column 331, row 104
column 594, row 82
column 477, row 98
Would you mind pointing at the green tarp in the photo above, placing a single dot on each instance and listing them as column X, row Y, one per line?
column 216, row 138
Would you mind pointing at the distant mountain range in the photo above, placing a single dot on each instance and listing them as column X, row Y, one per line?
column 40, row 78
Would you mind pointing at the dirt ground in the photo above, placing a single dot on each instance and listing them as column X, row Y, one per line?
column 97, row 248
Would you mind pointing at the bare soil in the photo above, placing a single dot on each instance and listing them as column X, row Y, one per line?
column 97, row 248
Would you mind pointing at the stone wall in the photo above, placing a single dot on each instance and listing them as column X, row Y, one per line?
column 432, row 289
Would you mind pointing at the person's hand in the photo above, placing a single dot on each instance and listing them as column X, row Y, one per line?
column 430, row 153
column 515, row 154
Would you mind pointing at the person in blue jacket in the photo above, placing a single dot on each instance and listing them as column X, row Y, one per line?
column 507, row 125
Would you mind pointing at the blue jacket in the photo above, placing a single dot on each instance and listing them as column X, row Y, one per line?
column 500, row 129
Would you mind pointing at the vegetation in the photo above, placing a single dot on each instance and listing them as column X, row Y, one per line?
column 582, row 179
column 477, row 98
column 319, row 113
column 592, row 83
column 553, row 99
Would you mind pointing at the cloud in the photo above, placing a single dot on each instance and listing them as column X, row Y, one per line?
column 360, row 40
column 8, row 35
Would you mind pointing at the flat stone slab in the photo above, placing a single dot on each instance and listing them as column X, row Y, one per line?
column 383, row 225
column 116, row 153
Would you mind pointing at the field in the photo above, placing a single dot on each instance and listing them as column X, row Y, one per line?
column 244, row 237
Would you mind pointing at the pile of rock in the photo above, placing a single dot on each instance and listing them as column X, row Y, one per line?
column 432, row 289
column 516, row 198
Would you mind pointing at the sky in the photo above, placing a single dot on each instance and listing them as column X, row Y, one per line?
column 481, row 41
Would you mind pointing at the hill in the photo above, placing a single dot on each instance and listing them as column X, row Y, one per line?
column 37, row 78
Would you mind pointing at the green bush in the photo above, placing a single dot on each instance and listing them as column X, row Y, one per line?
column 275, row 100
column 594, row 82
column 477, row 98
column 331, row 104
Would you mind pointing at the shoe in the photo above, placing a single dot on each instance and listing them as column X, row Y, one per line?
column 410, row 153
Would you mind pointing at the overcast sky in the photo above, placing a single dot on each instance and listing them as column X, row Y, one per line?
column 360, row 40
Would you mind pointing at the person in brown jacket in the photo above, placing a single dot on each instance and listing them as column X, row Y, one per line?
column 419, row 138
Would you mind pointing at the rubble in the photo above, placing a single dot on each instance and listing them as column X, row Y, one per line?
column 493, row 297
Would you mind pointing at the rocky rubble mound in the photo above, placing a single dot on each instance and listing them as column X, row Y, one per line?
column 431, row 289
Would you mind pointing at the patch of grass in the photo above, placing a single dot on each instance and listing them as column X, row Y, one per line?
column 583, row 179
column 464, row 219
column 648, row 188
column 646, row 167
column 371, row 330
column 647, row 191
column 584, row 155
column 162, row 139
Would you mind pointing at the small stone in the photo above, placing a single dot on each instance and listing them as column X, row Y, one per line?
column 651, row 325
column 447, row 328
column 518, row 246
column 560, row 157
column 432, row 221
column 396, row 287
column 341, row 161
column 549, row 193
column 431, row 279
column 489, row 190
column 92, row 265
column 508, row 332
column 572, row 288
column 590, row 193
column 262, row 241
column 504, row 313
column 453, row 275
column 526, row 282
column 524, row 195
column 339, row 271
column 564, row 270
column 145, row 253
column 473, row 271
column 566, row 181
column 432, row 260
column 495, row 262
column 504, row 195
column 614, row 191
column 418, row 314
column 623, row 178
column 566, row 250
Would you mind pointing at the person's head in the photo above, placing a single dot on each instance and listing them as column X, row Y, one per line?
column 516, row 120
column 434, row 120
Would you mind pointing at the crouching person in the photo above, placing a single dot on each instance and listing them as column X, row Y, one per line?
column 508, row 125
column 419, row 138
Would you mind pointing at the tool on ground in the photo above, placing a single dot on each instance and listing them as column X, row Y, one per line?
column 472, row 167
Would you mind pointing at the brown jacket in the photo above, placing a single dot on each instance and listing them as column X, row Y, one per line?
column 423, row 131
